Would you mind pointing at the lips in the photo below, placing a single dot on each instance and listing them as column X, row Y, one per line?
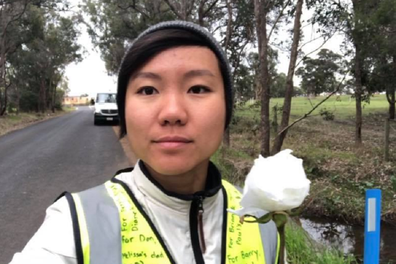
column 172, row 142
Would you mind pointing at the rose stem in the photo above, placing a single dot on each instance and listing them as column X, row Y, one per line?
column 281, row 230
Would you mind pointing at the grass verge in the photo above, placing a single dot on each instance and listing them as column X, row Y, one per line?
column 301, row 249
column 13, row 122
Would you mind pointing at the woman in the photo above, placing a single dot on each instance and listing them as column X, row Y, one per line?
column 175, row 101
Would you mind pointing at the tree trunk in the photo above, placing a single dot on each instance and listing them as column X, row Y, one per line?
column 54, row 97
column 391, row 95
column 18, row 99
column 42, row 100
column 3, row 96
column 289, row 80
column 229, row 25
column 257, row 87
column 260, row 11
column 358, row 95
column 201, row 13
column 4, row 108
column 184, row 10
column 3, row 83
column 50, row 95
column 358, row 76
column 226, row 137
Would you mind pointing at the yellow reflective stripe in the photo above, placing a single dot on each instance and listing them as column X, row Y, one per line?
column 83, row 229
column 277, row 249
column 244, row 244
column 139, row 243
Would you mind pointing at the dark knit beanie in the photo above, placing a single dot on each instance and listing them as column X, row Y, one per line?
column 211, row 43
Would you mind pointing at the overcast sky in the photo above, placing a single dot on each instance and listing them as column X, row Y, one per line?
column 89, row 76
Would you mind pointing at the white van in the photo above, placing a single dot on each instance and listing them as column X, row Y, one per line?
column 106, row 108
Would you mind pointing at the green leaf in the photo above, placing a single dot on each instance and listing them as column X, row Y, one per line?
column 280, row 219
column 265, row 218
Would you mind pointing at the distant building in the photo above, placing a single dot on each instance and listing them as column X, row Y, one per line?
column 76, row 100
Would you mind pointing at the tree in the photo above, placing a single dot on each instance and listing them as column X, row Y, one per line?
column 277, row 9
column 39, row 64
column 276, row 79
column 201, row 12
column 244, row 83
column 278, row 85
column 319, row 75
column 382, row 51
column 238, row 34
column 354, row 19
column 10, row 13
column 261, row 10
column 289, row 79
column 113, row 25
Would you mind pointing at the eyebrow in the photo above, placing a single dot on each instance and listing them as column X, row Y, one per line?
column 189, row 74
column 194, row 73
column 147, row 75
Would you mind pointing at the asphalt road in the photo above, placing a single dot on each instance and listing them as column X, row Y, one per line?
column 38, row 163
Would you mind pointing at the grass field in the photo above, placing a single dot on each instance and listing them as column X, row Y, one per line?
column 341, row 106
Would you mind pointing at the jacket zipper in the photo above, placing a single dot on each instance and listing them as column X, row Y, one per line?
column 200, row 225
column 196, row 229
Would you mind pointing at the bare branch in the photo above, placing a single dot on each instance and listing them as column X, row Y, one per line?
column 310, row 102
column 174, row 9
column 310, row 41
column 15, row 17
column 217, row 28
column 313, row 51
column 239, row 57
column 229, row 24
column 200, row 12
column 191, row 7
column 313, row 109
column 133, row 6
column 278, row 18
column 210, row 8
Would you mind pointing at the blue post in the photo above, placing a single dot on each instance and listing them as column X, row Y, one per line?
column 372, row 227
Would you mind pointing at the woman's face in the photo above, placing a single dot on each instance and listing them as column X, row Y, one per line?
column 175, row 110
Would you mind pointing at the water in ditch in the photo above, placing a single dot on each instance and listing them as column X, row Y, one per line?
column 350, row 238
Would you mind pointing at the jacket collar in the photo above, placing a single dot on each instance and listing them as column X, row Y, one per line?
column 139, row 180
column 212, row 186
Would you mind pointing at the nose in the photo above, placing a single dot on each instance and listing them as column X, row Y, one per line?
column 173, row 110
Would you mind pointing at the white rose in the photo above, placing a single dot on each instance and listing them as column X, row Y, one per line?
column 276, row 183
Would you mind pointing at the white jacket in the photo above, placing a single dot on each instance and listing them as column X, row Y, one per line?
column 54, row 242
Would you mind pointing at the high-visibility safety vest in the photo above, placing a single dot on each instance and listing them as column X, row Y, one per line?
column 111, row 227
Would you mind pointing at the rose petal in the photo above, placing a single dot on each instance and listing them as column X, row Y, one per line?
column 276, row 183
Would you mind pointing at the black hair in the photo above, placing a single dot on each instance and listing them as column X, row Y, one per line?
column 147, row 47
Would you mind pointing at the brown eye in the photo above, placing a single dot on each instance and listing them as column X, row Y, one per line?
column 147, row 90
column 198, row 89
